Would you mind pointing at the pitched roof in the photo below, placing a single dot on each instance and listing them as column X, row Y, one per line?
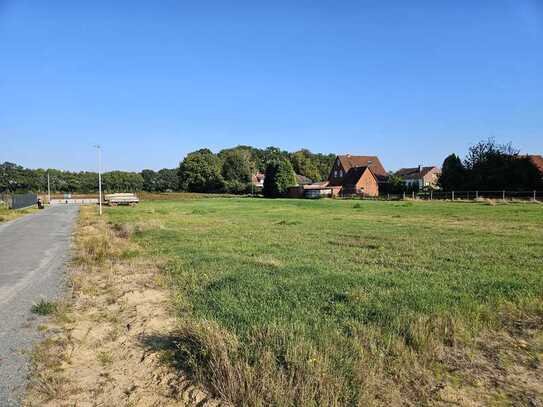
column 372, row 161
column 414, row 173
column 303, row 180
column 537, row 161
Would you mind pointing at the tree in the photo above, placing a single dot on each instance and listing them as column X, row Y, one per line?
column 453, row 173
column 303, row 164
column 279, row 176
column 200, row 171
column 394, row 185
column 237, row 166
column 150, row 180
column 493, row 166
column 122, row 181
column 167, row 180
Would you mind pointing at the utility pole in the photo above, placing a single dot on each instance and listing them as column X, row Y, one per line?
column 48, row 189
column 99, row 177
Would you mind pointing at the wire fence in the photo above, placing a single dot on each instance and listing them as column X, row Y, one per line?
column 18, row 201
column 467, row 195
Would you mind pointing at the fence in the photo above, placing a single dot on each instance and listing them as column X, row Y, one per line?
column 74, row 201
column 18, row 201
column 468, row 195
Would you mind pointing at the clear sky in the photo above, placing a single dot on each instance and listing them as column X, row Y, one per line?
column 410, row 81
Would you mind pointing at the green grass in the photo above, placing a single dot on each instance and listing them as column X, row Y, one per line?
column 10, row 214
column 328, row 301
column 44, row 307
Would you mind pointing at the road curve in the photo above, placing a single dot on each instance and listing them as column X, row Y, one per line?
column 33, row 251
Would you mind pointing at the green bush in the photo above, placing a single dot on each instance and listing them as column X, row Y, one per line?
column 279, row 176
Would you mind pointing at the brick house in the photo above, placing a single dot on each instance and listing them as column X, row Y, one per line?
column 360, row 181
column 537, row 161
column 420, row 176
column 357, row 175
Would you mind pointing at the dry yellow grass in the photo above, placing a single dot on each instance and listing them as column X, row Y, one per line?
column 11, row 214
column 107, row 342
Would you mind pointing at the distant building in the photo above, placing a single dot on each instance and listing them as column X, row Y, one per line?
column 350, row 175
column 537, row 161
column 420, row 176
column 258, row 180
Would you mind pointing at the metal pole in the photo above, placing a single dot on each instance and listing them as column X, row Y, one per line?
column 412, row 194
column 453, row 195
column 99, row 177
column 404, row 195
column 503, row 194
column 476, row 194
column 534, row 197
column 431, row 194
column 48, row 189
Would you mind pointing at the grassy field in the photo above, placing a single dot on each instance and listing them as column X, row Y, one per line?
column 335, row 302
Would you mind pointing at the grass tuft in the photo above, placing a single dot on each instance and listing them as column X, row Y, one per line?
column 44, row 307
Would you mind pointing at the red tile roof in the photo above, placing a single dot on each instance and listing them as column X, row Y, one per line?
column 371, row 161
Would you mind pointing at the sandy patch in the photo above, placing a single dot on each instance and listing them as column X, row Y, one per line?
column 99, row 352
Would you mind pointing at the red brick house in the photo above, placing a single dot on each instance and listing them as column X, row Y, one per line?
column 537, row 161
column 357, row 175
column 360, row 181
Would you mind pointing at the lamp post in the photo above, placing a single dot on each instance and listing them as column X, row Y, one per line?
column 99, row 149
column 48, row 189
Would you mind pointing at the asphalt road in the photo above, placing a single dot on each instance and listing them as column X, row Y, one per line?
column 33, row 251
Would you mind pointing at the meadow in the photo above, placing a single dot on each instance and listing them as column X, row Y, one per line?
column 348, row 302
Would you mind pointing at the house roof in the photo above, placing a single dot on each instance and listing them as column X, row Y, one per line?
column 303, row 180
column 372, row 161
column 537, row 161
column 318, row 185
column 414, row 173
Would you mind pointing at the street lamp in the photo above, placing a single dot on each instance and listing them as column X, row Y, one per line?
column 99, row 149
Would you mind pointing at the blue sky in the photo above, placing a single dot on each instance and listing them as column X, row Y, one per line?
column 153, row 80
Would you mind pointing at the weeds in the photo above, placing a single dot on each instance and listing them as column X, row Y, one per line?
column 44, row 307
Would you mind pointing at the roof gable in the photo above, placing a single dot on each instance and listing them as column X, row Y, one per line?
column 354, row 174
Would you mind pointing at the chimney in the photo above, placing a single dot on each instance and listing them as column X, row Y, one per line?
column 420, row 168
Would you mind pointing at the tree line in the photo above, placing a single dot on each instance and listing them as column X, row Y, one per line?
column 15, row 178
column 230, row 170
column 489, row 166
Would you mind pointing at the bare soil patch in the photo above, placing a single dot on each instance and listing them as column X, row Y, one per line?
column 105, row 344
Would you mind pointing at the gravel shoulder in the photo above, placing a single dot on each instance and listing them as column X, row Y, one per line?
column 33, row 251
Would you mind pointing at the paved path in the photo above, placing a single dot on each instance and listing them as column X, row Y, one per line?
column 33, row 250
